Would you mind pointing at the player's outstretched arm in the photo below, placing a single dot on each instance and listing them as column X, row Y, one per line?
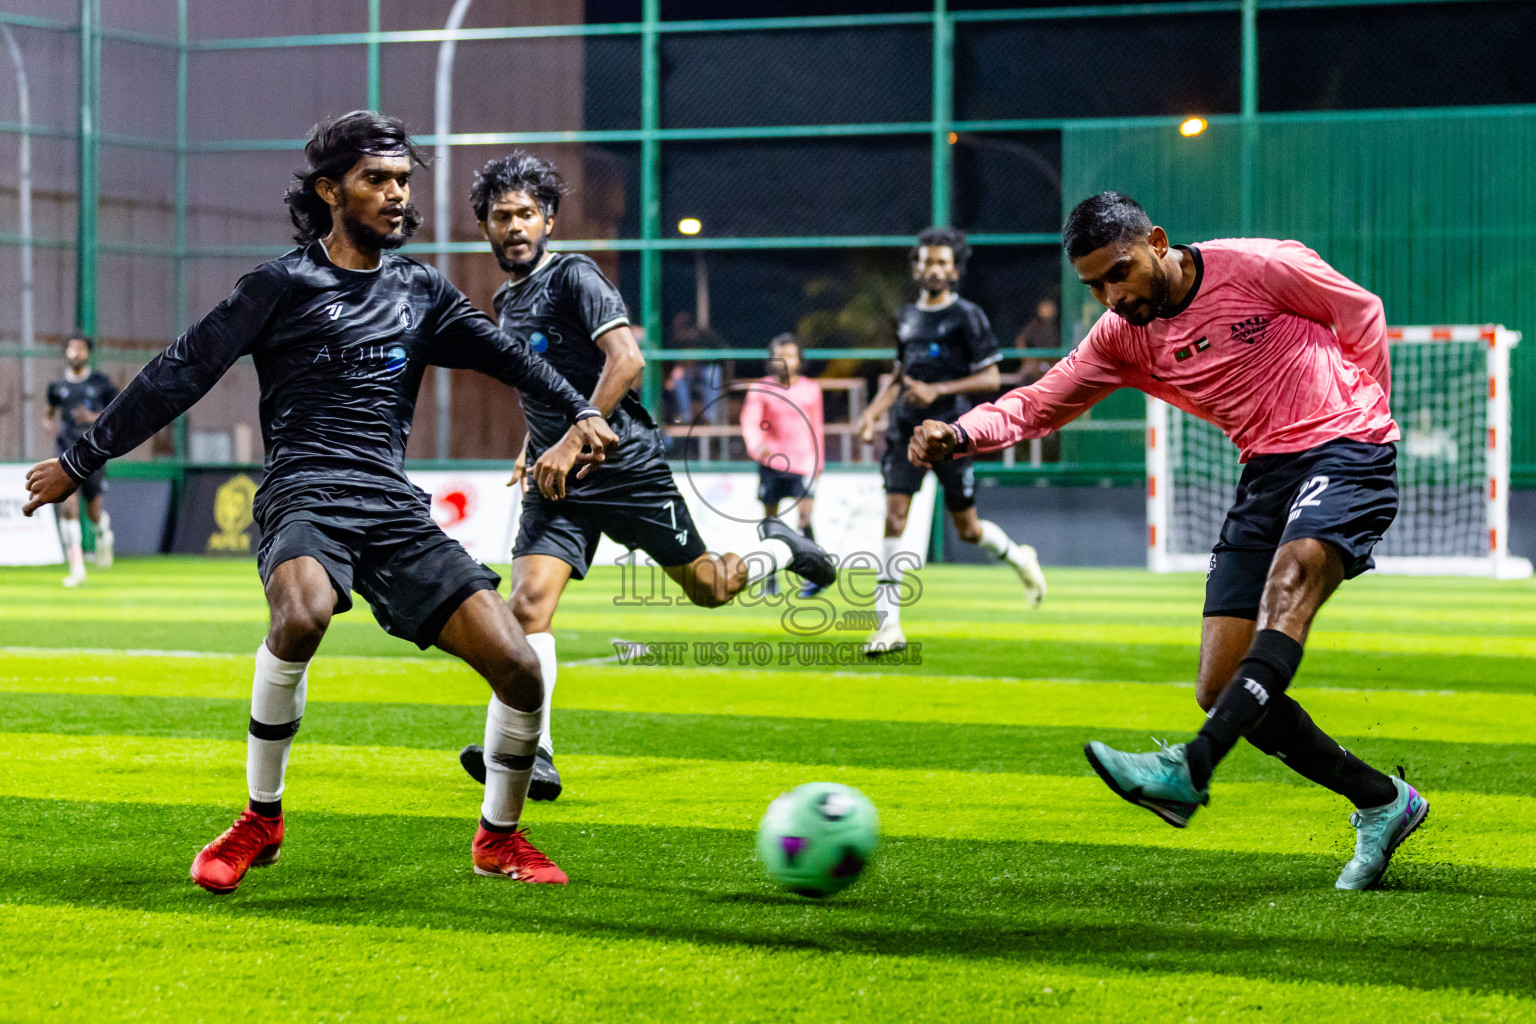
column 465, row 339
column 169, row 385
column 1069, row 389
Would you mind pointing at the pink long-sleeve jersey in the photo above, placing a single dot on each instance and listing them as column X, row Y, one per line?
column 1272, row 345
column 782, row 426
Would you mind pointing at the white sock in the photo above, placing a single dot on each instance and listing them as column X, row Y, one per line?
column 511, row 737
column 277, row 705
column 888, row 590
column 543, row 645
column 104, row 528
column 993, row 540
column 69, row 531
column 775, row 554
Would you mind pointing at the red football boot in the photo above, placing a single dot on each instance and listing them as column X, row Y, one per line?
column 251, row 842
column 511, row 855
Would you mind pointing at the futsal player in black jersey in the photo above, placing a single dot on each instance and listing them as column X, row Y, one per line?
column 945, row 351
column 74, row 402
column 341, row 330
column 575, row 318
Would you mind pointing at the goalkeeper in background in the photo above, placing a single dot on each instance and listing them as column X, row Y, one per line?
column 1289, row 359
column 782, row 427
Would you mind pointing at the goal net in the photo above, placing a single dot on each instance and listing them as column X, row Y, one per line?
column 1450, row 397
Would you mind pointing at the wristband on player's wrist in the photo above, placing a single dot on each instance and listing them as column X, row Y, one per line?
column 963, row 444
column 586, row 414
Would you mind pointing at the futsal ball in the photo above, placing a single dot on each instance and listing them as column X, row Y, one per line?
column 817, row 839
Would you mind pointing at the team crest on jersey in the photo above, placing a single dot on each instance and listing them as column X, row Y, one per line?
column 1250, row 331
column 406, row 315
column 1191, row 350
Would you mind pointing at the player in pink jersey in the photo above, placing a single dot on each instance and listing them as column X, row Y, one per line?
column 1289, row 358
column 781, row 425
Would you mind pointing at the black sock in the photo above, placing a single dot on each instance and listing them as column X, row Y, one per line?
column 503, row 829
column 808, row 533
column 1288, row 732
column 1261, row 679
column 268, row 809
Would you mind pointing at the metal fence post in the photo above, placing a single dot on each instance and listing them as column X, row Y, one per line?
column 650, row 199
column 373, row 54
column 943, row 109
column 1250, row 109
column 85, row 228
column 179, row 311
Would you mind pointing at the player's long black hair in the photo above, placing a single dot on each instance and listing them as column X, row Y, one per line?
column 955, row 240
column 1104, row 219
column 334, row 146
column 518, row 171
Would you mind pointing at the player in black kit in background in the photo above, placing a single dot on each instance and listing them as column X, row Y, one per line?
column 74, row 402
column 576, row 319
column 341, row 330
column 945, row 350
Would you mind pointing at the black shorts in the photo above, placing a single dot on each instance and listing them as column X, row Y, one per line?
column 412, row 574
column 957, row 475
column 1343, row 492
column 774, row 485
column 639, row 507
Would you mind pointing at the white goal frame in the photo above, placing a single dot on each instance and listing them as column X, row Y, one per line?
column 1497, row 563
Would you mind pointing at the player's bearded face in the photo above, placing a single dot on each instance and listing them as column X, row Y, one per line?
column 373, row 226
column 76, row 355
column 518, row 231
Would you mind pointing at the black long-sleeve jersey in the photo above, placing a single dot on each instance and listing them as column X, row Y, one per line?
column 340, row 356
column 938, row 345
column 66, row 396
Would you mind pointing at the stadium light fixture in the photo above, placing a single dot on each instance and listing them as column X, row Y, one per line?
column 1192, row 127
column 690, row 225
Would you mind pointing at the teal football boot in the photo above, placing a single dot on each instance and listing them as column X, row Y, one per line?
column 1158, row 780
column 1379, row 831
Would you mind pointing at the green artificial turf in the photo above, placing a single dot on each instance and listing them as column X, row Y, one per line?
column 1010, row 884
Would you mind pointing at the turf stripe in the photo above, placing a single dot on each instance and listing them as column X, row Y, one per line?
column 994, row 907
column 970, row 747
column 1445, row 717
column 329, row 971
column 1470, row 829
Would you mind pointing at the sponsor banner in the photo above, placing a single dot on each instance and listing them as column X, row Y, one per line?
column 849, row 514
column 477, row 509
column 214, row 516
column 25, row 541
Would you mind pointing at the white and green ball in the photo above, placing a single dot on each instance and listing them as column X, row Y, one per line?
column 818, row 838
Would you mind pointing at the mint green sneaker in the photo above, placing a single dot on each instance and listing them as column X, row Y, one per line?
column 1379, row 831
column 1157, row 780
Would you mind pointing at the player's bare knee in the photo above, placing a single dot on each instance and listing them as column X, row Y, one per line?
column 532, row 609
column 895, row 525
column 513, row 672
column 299, row 622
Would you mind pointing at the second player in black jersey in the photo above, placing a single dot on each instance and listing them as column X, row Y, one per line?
column 945, row 352
column 341, row 330
column 575, row 318
column 74, row 402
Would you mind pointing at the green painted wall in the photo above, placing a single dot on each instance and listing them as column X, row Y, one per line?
column 1435, row 213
